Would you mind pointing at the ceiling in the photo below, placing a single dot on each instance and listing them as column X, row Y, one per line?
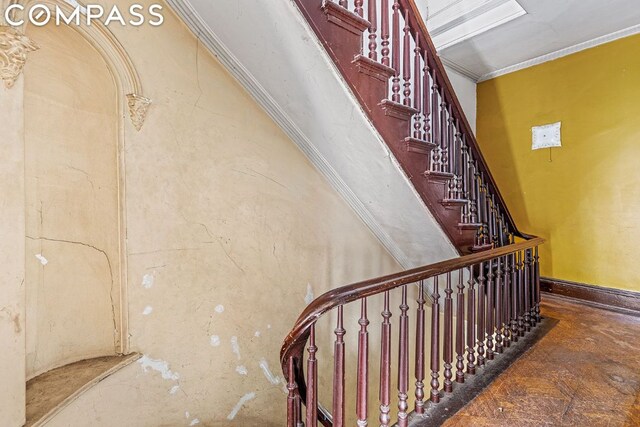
column 485, row 38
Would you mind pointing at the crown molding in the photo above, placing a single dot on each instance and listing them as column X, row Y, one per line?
column 562, row 52
column 208, row 38
column 460, row 69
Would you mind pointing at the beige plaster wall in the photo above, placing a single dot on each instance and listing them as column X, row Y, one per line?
column 229, row 230
column 72, row 268
column 12, row 249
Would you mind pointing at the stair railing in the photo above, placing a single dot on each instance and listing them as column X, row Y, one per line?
column 396, row 47
column 497, row 301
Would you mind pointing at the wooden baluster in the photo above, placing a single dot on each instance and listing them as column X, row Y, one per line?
column 537, row 269
column 363, row 366
column 498, row 308
column 420, row 335
column 395, row 52
column 344, row 3
column 466, row 182
column 435, row 125
column 435, row 343
column 299, row 422
column 496, row 230
column 292, row 421
column 460, row 329
column 385, row 364
column 338, row 372
column 448, row 336
column 490, row 305
column 482, row 287
column 403, row 362
column 513, row 272
column 417, row 90
column 459, row 143
column 527, row 290
column 471, row 314
column 506, row 319
column 312, row 380
column 373, row 28
column 475, row 195
column 358, row 8
column 444, row 141
column 384, row 32
column 426, row 99
column 532, row 304
column 406, row 66
column 451, row 144
column 520, row 296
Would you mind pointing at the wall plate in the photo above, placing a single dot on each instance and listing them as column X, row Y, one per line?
column 546, row 136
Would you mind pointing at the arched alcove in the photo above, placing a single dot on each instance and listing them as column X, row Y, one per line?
column 73, row 230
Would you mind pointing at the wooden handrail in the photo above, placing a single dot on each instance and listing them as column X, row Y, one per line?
column 346, row 294
column 417, row 25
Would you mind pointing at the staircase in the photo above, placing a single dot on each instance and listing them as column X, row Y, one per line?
column 384, row 53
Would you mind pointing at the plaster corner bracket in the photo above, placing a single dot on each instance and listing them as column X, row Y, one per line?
column 14, row 47
column 138, row 107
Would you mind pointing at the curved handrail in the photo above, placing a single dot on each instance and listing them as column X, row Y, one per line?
column 293, row 345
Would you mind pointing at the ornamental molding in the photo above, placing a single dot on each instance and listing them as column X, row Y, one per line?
column 14, row 47
column 138, row 107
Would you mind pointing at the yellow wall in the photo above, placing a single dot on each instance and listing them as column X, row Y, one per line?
column 584, row 197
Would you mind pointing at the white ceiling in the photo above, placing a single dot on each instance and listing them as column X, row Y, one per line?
column 481, row 41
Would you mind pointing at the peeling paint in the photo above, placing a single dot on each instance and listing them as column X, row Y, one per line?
column 148, row 280
column 42, row 259
column 147, row 310
column 219, row 308
column 273, row 379
column 215, row 340
column 194, row 422
column 174, row 389
column 235, row 346
column 242, row 370
column 157, row 365
column 244, row 399
column 309, row 297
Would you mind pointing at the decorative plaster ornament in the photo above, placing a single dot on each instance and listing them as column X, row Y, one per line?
column 138, row 106
column 14, row 47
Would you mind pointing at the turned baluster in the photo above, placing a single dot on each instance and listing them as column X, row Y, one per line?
column 490, row 305
column 312, row 380
column 358, row 8
column 338, row 372
column 451, row 144
column 460, row 329
column 494, row 216
column 498, row 308
column 532, row 306
column 435, row 343
column 395, row 52
column 466, row 184
column 482, row 282
column 474, row 213
column 373, row 27
column 444, row 140
column 385, row 364
column 513, row 272
column 459, row 143
column 292, row 421
column 435, row 125
column 363, row 366
column 471, row 315
column 537, row 270
column 426, row 100
column 417, row 89
column 403, row 362
column 420, row 335
column 406, row 66
column 384, row 32
column 506, row 317
column 520, row 296
column 448, row 336
column 527, row 290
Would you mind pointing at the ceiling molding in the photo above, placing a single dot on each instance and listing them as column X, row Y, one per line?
column 460, row 69
column 562, row 52
column 204, row 33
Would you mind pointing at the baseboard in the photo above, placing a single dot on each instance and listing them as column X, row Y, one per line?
column 616, row 299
